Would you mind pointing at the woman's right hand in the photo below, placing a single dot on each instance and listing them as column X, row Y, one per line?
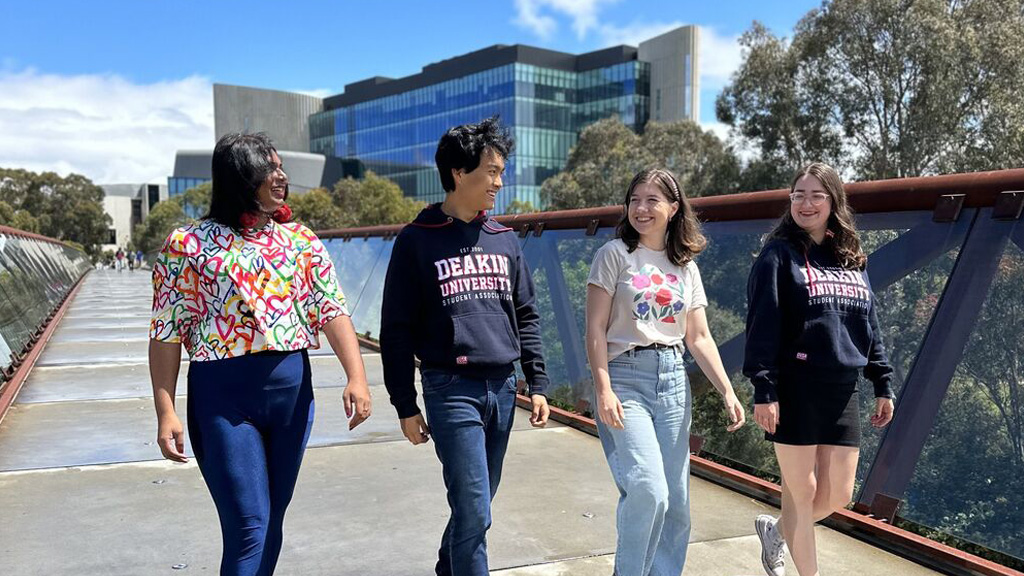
column 170, row 436
column 609, row 410
column 767, row 416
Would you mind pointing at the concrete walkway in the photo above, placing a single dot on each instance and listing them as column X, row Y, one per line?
column 83, row 489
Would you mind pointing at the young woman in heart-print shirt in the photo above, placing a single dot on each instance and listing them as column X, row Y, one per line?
column 246, row 292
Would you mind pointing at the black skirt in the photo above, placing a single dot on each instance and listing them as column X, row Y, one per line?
column 812, row 411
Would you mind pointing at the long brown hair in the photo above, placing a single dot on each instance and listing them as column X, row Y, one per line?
column 840, row 227
column 685, row 239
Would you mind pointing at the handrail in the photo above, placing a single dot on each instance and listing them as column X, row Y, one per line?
column 979, row 189
column 32, row 236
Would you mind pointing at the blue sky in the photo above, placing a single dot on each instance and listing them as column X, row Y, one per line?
column 112, row 88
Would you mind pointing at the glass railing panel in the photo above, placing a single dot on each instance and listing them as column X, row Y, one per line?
column 969, row 480
column 353, row 261
column 366, row 312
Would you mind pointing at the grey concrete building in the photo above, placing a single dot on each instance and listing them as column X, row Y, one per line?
column 128, row 205
column 284, row 116
column 305, row 171
column 675, row 74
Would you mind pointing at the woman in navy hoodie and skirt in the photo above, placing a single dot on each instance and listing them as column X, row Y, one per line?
column 811, row 327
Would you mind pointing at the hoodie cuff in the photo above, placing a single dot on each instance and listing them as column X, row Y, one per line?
column 764, row 393
column 883, row 388
column 407, row 408
column 539, row 385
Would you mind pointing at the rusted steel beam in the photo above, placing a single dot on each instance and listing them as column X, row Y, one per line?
column 980, row 189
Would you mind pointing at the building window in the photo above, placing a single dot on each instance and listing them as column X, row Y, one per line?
column 153, row 192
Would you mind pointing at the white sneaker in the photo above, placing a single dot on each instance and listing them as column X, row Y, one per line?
column 773, row 547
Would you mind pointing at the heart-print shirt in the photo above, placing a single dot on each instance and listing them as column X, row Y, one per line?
column 650, row 295
column 223, row 292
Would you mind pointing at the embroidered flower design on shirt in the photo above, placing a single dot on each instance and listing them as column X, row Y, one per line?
column 659, row 296
column 641, row 281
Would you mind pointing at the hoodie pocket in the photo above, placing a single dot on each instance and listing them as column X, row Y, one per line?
column 484, row 338
column 832, row 339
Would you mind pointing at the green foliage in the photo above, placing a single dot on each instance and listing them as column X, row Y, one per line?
column 315, row 209
column 608, row 155
column 519, row 207
column 170, row 214
column 65, row 208
column 368, row 202
column 884, row 88
column 373, row 201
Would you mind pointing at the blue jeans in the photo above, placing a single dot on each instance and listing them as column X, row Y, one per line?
column 249, row 419
column 470, row 420
column 650, row 462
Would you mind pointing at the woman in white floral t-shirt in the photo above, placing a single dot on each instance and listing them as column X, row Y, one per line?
column 645, row 302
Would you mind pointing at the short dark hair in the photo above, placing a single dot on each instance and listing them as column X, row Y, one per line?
column 462, row 146
column 241, row 162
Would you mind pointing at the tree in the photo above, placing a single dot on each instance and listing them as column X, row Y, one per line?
column 704, row 165
column 884, row 88
column 520, row 207
column 149, row 236
column 609, row 154
column 316, row 209
column 373, row 201
column 20, row 219
column 65, row 208
column 175, row 212
column 600, row 166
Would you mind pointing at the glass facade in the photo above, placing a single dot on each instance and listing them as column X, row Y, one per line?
column 176, row 186
column 396, row 136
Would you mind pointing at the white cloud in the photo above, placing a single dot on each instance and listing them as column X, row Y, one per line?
column 743, row 150
column 720, row 56
column 316, row 92
column 103, row 126
column 635, row 33
column 536, row 15
column 721, row 130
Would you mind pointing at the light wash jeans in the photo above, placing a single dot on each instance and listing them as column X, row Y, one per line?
column 650, row 461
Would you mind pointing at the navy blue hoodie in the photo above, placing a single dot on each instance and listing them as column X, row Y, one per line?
column 459, row 297
column 809, row 318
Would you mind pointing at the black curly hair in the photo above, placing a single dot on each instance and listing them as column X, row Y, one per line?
column 462, row 146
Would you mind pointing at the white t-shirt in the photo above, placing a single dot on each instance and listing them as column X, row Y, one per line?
column 650, row 295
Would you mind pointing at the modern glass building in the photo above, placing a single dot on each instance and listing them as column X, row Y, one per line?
column 392, row 125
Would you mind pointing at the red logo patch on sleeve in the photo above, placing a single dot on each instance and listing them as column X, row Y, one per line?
column 462, row 360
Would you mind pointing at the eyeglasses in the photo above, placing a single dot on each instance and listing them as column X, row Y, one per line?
column 817, row 198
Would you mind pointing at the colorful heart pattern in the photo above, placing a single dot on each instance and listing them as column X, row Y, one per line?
column 224, row 293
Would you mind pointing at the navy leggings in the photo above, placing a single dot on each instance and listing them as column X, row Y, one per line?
column 249, row 418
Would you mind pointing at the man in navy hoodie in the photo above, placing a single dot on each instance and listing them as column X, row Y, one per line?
column 459, row 297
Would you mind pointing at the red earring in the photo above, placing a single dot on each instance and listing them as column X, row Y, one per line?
column 248, row 219
column 282, row 214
